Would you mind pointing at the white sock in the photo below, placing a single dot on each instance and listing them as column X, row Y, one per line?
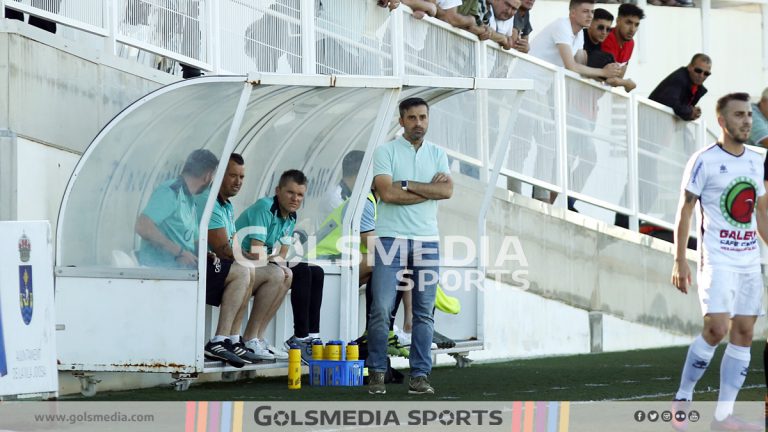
column 218, row 338
column 696, row 362
column 733, row 372
column 234, row 338
column 314, row 336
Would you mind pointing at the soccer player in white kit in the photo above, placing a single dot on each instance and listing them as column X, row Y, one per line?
column 726, row 179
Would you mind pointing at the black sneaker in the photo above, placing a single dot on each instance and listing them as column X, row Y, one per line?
column 442, row 342
column 223, row 351
column 245, row 353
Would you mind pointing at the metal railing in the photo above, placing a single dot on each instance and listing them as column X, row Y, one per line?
column 572, row 136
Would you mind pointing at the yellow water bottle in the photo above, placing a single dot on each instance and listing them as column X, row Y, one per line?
column 333, row 350
column 317, row 349
column 294, row 368
column 353, row 351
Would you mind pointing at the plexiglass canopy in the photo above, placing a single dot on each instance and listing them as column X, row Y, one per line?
column 276, row 122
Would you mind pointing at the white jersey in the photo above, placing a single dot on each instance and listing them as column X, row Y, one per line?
column 728, row 187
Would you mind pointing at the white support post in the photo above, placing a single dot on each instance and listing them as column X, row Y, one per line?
column 481, row 103
column 229, row 147
column 398, row 41
column 633, row 180
column 706, row 25
column 503, row 142
column 111, row 19
column 764, row 11
column 561, row 128
column 348, row 311
column 308, row 58
column 642, row 37
column 2, row 9
column 215, row 41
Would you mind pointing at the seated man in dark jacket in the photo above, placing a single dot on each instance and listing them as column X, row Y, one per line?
column 683, row 88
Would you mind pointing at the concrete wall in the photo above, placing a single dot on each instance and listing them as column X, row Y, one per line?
column 577, row 261
column 54, row 99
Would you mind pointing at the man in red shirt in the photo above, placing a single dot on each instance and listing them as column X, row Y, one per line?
column 620, row 41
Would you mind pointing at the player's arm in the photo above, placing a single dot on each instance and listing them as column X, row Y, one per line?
column 147, row 230
column 258, row 251
column 623, row 70
column 454, row 18
column 218, row 241
column 440, row 188
column 393, row 193
column 762, row 216
column 569, row 60
column 681, row 272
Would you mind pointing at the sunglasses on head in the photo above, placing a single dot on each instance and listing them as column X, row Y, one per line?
column 603, row 28
column 700, row 71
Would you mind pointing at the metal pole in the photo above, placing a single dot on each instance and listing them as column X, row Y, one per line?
column 398, row 49
column 633, row 181
column 764, row 11
column 706, row 25
column 561, row 137
column 308, row 58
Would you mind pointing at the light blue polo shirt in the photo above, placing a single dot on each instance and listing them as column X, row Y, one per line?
column 264, row 215
column 759, row 126
column 172, row 209
column 401, row 161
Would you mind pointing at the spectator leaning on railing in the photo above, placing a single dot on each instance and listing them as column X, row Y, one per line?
column 620, row 41
column 594, row 41
column 449, row 11
column 522, row 25
column 759, row 134
column 682, row 89
column 502, row 23
column 562, row 42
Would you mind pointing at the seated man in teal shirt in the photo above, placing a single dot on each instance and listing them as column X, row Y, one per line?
column 232, row 279
column 169, row 224
column 270, row 221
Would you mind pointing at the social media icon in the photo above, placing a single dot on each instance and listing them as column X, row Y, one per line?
column 639, row 416
column 680, row 416
column 653, row 416
column 666, row 416
column 694, row 416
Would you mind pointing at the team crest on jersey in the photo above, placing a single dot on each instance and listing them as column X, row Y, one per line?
column 738, row 202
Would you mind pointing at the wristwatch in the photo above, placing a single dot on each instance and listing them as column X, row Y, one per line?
column 404, row 185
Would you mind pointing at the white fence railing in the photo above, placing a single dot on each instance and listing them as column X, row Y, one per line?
column 570, row 136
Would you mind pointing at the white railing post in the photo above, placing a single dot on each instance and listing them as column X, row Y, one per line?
column 481, row 101
column 2, row 9
column 111, row 20
column 398, row 41
column 633, row 181
column 706, row 25
column 308, row 36
column 561, row 128
column 764, row 11
column 215, row 42
column 642, row 39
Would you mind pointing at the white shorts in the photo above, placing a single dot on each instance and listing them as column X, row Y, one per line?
column 729, row 292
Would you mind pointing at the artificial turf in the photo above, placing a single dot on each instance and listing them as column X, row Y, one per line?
column 636, row 375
